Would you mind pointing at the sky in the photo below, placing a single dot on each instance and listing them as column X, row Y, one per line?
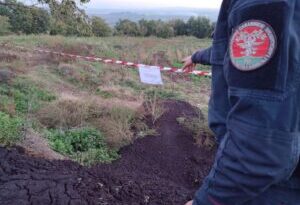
column 119, row 4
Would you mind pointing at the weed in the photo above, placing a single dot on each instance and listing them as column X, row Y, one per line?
column 85, row 145
column 10, row 129
column 154, row 107
column 96, row 155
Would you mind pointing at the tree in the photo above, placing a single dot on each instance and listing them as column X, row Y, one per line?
column 40, row 20
column 127, row 27
column 4, row 25
column 151, row 25
column 143, row 27
column 164, row 30
column 68, row 19
column 26, row 19
column 179, row 26
column 100, row 27
column 199, row 27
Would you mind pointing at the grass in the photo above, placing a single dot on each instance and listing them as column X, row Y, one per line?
column 117, row 123
column 104, row 94
column 153, row 105
column 63, row 114
column 77, row 98
column 132, row 48
column 10, row 129
column 23, row 96
column 85, row 145
column 19, row 99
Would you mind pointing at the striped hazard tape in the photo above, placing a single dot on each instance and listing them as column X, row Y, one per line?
column 117, row 62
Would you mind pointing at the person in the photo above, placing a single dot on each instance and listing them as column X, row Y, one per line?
column 254, row 109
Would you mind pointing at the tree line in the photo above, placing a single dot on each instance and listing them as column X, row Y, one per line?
column 65, row 18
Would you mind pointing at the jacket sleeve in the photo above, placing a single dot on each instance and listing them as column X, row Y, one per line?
column 261, row 144
column 202, row 56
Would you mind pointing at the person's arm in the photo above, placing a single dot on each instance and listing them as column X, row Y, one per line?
column 261, row 144
column 202, row 56
column 199, row 57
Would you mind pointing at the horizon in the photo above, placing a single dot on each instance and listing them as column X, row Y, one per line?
column 152, row 4
column 125, row 5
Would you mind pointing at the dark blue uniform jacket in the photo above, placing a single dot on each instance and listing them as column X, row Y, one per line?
column 254, row 114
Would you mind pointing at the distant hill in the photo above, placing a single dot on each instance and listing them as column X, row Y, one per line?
column 113, row 15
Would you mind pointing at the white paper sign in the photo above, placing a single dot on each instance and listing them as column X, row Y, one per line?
column 150, row 75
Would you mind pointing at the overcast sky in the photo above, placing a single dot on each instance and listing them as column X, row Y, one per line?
column 119, row 4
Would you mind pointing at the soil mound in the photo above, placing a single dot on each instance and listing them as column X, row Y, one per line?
column 162, row 170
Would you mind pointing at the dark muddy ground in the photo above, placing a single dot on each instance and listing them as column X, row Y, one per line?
column 162, row 170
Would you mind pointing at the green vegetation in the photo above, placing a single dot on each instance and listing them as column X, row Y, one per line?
column 127, row 27
column 117, row 123
column 10, row 129
column 162, row 94
column 28, row 20
column 85, row 145
column 4, row 25
column 66, row 18
column 25, row 96
column 17, row 101
column 73, row 102
column 100, row 27
column 104, row 94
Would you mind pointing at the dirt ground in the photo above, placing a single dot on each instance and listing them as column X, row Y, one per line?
column 161, row 170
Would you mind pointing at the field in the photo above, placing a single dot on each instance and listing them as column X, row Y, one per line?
column 83, row 132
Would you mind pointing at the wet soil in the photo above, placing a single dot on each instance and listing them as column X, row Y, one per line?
column 156, row 170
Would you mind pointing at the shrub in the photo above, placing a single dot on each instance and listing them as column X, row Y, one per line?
column 199, row 27
column 100, row 27
column 164, row 30
column 4, row 25
column 127, row 27
column 10, row 129
column 86, row 145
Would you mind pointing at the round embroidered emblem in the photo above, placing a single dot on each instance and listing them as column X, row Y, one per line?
column 252, row 45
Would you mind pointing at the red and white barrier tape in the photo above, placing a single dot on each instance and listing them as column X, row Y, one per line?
column 118, row 62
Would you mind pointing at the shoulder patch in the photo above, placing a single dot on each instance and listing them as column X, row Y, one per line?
column 252, row 45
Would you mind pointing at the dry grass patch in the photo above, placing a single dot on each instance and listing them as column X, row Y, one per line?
column 116, row 123
column 121, row 125
column 154, row 108
column 63, row 114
